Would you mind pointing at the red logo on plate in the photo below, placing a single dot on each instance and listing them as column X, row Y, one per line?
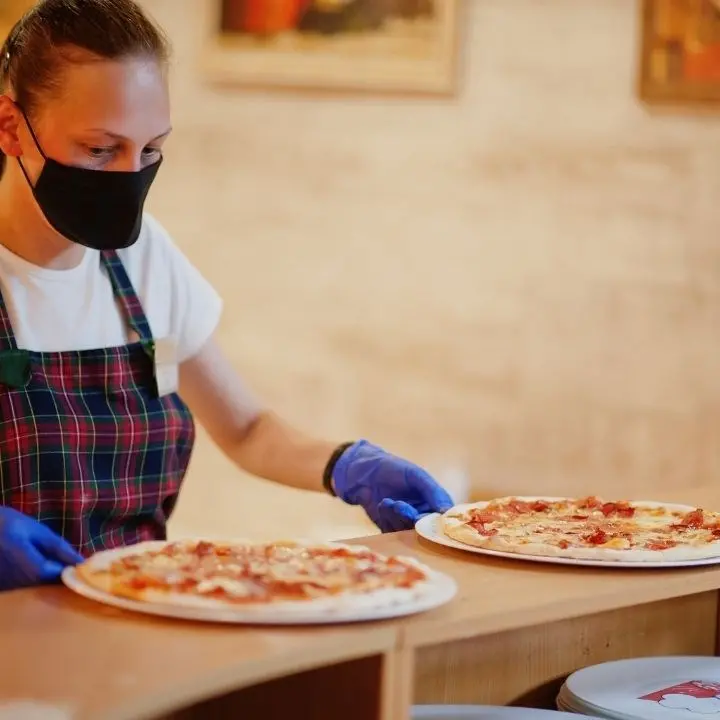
column 695, row 696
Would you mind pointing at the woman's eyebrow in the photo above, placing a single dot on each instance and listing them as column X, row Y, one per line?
column 115, row 136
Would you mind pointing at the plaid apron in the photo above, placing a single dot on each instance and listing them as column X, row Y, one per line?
column 87, row 446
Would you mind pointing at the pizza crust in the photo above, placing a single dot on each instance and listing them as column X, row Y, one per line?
column 453, row 525
column 97, row 579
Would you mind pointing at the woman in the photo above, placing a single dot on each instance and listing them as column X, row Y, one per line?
column 106, row 348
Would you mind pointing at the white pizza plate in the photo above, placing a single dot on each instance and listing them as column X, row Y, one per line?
column 486, row 712
column 439, row 590
column 429, row 527
column 662, row 688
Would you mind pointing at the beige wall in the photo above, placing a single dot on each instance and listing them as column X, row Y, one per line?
column 523, row 282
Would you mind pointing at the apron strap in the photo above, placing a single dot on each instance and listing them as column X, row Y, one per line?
column 125, row 292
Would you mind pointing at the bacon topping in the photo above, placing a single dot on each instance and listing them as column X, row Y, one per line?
column 480, row 528
column 483, row 516
column 660, row 544
column 590, row 503
column 520, row 507
column 621, row 509
column 597, row 537
column 695, row 519
column 203, row 548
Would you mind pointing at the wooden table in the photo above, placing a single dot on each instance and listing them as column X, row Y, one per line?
column 514, row 631
column 97, row 662
column 517, row 628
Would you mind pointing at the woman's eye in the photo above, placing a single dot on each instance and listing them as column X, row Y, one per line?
column 100, row 152
column 151, row 152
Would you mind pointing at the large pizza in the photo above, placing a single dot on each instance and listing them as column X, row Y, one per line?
column 280, row 576
column 589, row 528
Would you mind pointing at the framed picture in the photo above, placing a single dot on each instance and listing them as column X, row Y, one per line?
column 680, row 53
column 404, row 46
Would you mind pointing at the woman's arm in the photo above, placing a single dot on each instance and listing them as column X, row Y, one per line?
column 393, row 491
column 252, row 436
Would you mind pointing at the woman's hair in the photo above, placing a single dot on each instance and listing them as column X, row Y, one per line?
column 54, row 33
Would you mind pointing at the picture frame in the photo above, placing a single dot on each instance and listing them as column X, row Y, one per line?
column 382, row 46
column 680, row 53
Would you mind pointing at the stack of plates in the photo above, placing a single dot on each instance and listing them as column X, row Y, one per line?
column 665, row 688
column 486, row 712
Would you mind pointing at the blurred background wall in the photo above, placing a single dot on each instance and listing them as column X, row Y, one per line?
column 519, row 286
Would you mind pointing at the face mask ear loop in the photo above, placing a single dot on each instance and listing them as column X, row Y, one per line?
column 35, row 140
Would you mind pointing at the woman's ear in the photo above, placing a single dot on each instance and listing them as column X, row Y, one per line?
column 9, row 125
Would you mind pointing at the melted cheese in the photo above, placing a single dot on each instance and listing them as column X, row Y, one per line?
column 616, row 544
column 237, row 588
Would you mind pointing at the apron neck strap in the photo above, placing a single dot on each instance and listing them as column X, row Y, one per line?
column 125, row 293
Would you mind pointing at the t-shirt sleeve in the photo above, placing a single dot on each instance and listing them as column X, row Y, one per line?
column 193, row 306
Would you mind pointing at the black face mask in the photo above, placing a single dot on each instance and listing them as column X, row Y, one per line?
column 99, row 209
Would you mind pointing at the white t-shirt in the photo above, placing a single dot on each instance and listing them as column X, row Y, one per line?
column 58, row 310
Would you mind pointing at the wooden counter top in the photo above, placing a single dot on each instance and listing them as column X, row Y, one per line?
column 92, row 661
column 497, row 595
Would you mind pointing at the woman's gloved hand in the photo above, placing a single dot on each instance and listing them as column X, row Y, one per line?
column 30, row 553
column 393, row 491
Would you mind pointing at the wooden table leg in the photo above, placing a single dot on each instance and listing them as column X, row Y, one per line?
column 717, row 624
column 398, row 685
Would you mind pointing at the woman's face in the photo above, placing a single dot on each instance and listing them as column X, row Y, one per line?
column 106, row 115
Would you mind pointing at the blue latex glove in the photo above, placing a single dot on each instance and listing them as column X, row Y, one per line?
column 393, row 491
column 30, row 553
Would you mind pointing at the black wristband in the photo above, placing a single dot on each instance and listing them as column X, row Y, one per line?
column 328, row 472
